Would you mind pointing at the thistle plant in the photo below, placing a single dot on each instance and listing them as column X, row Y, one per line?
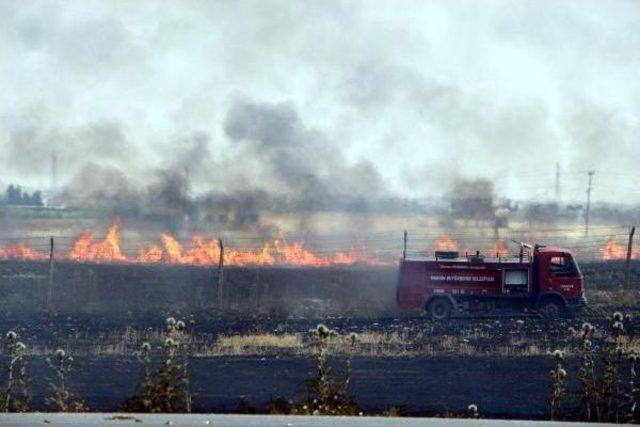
column 321, row 385
column 473, row 411
column 328, row 396
column 181, row 339
column 62, row 400
column 184, row 338
column 587, row 374
column 609, row 398
column 16, row 397
column 352, row 341
column 632, row 395
column 147, row 392
column 557, row 391
column 168, row 388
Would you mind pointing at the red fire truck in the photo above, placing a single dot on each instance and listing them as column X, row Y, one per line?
column 543, row 279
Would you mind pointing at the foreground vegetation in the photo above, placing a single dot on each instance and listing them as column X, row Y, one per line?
column 165, row 384
column 608, row 394
column 607, row 372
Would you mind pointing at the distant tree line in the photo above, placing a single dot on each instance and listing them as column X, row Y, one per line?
column 17, row 197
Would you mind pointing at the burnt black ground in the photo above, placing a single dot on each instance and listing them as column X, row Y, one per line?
column 423, row 384
column 501, row 387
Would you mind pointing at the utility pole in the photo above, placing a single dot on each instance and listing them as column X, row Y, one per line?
column 54, row 170
column 557, row 181
column 586, row 213
column 404, row 246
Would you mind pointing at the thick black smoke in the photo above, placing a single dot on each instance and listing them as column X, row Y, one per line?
column 304, row 164
column 276, row 164
column 473, row 199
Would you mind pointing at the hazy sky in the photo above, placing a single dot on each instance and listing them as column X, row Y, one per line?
column 403, row 96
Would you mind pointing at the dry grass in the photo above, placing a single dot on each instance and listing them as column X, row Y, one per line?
column 632, row 344
column 375, row 344
column 619, row 298
column 530, row 350
column 370, row 343
column 253, row 344
column 384, row 338
column 453, row 345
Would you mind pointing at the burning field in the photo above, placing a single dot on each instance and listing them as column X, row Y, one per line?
column 109, row 298
column 213, row 251
column 613, row 250
column 129, row 268
column 199, row 251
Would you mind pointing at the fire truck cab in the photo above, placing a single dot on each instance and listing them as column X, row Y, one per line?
column 543, row 279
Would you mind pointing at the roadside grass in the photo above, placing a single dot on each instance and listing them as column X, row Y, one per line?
column 395, row 343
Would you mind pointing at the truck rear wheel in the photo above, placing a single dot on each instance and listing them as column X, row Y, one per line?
column 551, row 308
column 439, row 308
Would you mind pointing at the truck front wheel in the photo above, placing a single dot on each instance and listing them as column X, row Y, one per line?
column 550, row 308
column 439, row 308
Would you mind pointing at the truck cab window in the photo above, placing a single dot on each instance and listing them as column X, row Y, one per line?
column 561, row 266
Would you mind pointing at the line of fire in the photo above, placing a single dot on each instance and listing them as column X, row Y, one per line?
column 202, row 250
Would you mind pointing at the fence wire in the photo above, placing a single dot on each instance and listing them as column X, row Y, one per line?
column 602, row 243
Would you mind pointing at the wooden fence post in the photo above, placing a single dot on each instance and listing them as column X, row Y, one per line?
column 404, row 246
column 50, row 279
column 221, row 274
column 629, row 253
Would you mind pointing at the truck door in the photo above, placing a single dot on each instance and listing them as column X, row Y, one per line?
column 559, row 274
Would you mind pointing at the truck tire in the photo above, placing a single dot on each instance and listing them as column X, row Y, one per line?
column 550, row 308
column 439, row 309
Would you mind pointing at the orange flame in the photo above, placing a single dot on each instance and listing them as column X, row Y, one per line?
column 199, row 251
column 21, row 251
column 613, row 250
column 499, row 248
column 247, row 257
column 202, row 252
column 445, row 242
column 85, row 249
column 151, row 255
column 297, row 254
